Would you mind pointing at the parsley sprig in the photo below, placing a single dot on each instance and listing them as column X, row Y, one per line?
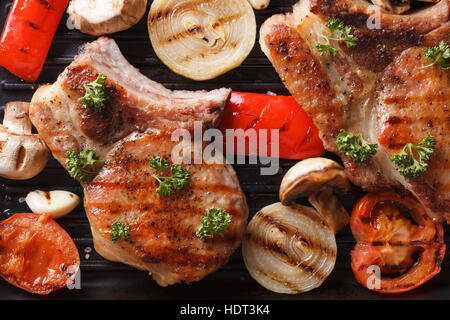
column 96, row 95
column 410, row 167
column 338, row 28
column 81, row 166
column 438, row 56
column 178, row 180
column 355, row 147
column 120, row 231
column 214, row 221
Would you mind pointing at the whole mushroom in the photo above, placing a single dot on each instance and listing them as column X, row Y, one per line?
column 318, row 179
column 393, row 7
column 99, row 17
column 397, row 6
column 23, row 155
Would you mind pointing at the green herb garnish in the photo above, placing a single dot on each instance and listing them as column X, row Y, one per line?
column 81, row 166
column 355, row 147
column 167, row 185
column 120, row 231
column 439, row 56
column 336, row 27
column 214, row 221
column 410, row 167
column 96, row 94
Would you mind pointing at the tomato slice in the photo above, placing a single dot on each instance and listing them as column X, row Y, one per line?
column 395, row 235
column 298, row 136
column 36, row 254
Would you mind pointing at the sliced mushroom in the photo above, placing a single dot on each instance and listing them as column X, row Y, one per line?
column 259, row 4
column 22, row 154
column 318, row 179
column 98, row 17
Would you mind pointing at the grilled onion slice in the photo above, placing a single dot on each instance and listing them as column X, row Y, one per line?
column 289, row 249
column 202, row 39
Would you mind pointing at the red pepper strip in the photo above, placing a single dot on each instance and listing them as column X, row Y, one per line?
column 298, row 136
column 28, row 34
column 395, row 234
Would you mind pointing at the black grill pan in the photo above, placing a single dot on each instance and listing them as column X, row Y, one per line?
column 101, row 279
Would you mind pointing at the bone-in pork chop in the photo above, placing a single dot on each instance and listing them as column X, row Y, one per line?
column 137, row 123
column 374, row 88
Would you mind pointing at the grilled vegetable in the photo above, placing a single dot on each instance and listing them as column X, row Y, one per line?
column 23, row 155
column 395, row 236
column 259, row 4
column 355, row 147
column 202, row 40
column 410, row 167
column 393, row 6
column 98, row 17
column 318, row 179
column 27, row 36
column 289, row 249
column 298, row 136
column 37, row 254
column 55, row 203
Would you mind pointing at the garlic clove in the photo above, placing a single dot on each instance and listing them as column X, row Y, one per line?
column 55, row 203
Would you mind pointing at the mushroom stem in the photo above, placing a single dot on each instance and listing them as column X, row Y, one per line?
column 328, row 206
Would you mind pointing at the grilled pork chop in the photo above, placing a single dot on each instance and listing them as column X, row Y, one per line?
column 136, row 124
column 374, row 88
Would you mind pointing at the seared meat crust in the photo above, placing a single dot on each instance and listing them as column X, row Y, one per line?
column 374, row 88
column 137, row 122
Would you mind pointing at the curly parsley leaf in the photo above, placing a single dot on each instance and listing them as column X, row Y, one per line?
column 438, row 56
column 214, row 221
column 120, row 231
column 355, row 147
column 336, row 27
column 324, row 48
column 159, row 164
column 178, row 180
column 410, row 167
column 96, row 95
column 81, row 166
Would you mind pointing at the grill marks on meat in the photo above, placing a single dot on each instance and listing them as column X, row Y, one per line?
column 162, row 227
column 411, row 104
column 373, row 88
column 292, row 58
column 137, row 123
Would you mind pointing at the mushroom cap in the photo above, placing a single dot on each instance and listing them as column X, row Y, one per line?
column 310, row 176
column 97, row 17
column 23, row 155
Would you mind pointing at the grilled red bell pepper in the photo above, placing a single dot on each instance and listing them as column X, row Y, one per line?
column 28, row 34
column 395, row 234
column 298, row 136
